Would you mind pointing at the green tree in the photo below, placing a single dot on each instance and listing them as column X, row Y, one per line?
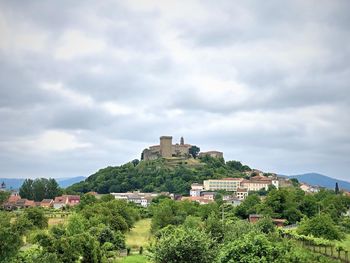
column 194, row 151
column 320, row 226
column 178, row 245
column 36, row 216
column 26, row 190
column 295, row 182
column 135, row 162
column 4, row 195
column 336, row 188
column 107, row 198
column 77, row 224
column 10, row 238
column 52, row 189
column 39, row 189
column 265, row 225
column 252, row 248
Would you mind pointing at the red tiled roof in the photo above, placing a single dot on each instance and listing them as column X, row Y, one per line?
column 13, row 199
column 232, row 179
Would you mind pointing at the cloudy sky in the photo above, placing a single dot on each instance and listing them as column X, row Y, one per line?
column 87, row 84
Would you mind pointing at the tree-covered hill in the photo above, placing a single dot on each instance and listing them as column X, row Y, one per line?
column 168, row 175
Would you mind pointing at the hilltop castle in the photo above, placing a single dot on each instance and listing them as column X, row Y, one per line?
column 166, row 149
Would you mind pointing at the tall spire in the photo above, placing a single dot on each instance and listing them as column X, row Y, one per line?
column 182, row 141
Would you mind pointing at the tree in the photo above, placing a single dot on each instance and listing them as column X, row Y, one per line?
column 252, row 248
column 107, row 198
column 4, row 195
column 39, row 189
column 295, row 182
column 52, row 189
column 135, row 162
column 179, row 245
column 336, row 188
column 320, row 226
column 265, row 225
column 77, row 224
column 237, row 166
column 194, row 151
column 36, row 216
column 214, row 226
column 26, row 190
column 10, row 238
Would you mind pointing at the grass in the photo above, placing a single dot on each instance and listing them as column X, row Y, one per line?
column 56, row 221
column 346, row 242
column 140, row 234
column 133, row 259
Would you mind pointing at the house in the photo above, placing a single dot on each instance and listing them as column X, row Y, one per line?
column 259, row 182
column 47, row 203
column 66, row 200
column 241, row 193
column 208, row 195
column 143, row 199
column 10, row 204
column 309, row 188
column 196, row 189
column 25, row 203
column 254, row 218
column 234, row 201
column 199, row 199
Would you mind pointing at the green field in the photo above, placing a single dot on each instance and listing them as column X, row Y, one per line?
column 346, row 242
column 139, row 235
column 133, row 259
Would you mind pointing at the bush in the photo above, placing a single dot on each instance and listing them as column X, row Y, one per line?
column 320, row 226
column 179, row 245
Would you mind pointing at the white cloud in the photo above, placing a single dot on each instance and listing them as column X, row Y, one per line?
column 17, row 36
column 75, row 44
column 48, row 142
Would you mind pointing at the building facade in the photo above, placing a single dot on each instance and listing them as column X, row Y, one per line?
column 227, row 184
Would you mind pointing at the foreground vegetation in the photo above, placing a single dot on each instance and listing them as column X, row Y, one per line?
column 94, row 232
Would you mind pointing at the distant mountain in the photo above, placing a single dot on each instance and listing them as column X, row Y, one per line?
column 321, row 180
column 65, row 182
column 15, row 183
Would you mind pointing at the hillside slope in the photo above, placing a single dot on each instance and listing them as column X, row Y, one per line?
column 321, row 180
column 162, row 175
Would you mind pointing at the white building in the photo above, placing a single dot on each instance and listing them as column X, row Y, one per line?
column 227, row 184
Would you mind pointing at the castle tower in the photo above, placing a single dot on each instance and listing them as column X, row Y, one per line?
column 182, row 141
column 165, row 146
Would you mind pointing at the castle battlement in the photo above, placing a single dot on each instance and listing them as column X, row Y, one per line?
column 166, row 149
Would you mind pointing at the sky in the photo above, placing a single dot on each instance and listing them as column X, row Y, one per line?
column 89, row 84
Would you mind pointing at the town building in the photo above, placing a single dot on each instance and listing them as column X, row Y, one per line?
column 241, row 193
column 309, row 188
column 234, row 201
column 47, row 203
column 227, row 184
column 202, row 200
column 142, row 199
column 254, row 218
column 196, row 189
column 259, row 182
column 66, row 200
